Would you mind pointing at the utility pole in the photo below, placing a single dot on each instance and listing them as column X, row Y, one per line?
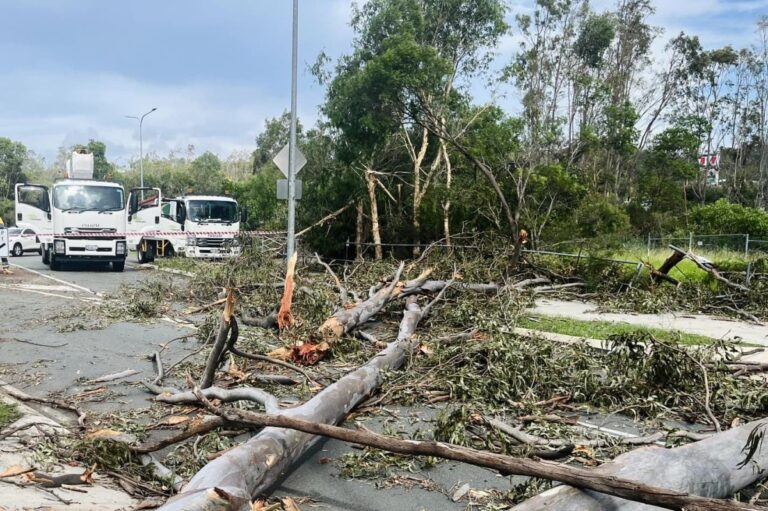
column 141, row 142
column 291, row 242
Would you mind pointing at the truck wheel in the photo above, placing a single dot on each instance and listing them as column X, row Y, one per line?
column 17, row 250
column 118, row 266
column 46, row 255
column 55, row 263
column 147, row 256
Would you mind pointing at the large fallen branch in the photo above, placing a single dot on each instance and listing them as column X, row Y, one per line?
column 346, row 320
column 585, row 478
column 710, row 468
column 231, row 480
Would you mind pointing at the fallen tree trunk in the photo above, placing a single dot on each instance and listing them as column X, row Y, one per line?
column 710, row 468
column 346, row 320
column 586, row 478
column 231, row 480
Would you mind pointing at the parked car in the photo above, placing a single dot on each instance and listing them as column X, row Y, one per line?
column 22, row 240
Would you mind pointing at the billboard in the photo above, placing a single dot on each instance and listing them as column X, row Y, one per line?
column 710, row 164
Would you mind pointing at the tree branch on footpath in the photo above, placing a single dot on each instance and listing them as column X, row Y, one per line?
column 508, row 465
column 57, row 403
column 231, row 480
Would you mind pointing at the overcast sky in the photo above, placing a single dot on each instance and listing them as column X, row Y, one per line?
column 72, row 69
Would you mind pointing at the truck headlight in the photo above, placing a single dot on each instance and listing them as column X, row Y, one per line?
column 120, row 248
column 59, row 247
column 235, row 242
column 191, row 241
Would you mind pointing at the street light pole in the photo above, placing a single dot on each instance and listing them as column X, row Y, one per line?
column 141, row 142
column 291, row 242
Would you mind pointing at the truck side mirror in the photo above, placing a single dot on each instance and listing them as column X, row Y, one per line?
column 244, row 214
column 49, row 215
column 18, row 217
column 133, row 204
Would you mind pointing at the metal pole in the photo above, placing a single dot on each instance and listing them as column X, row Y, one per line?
column 141, row 141
column 292, row 140
column 141, row 151
column 746, row 246
column 690, row 241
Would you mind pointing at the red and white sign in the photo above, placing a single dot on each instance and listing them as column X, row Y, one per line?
column 709, row 160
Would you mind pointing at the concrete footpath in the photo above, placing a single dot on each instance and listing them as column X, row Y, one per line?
column 16, row 494
column 717, row 328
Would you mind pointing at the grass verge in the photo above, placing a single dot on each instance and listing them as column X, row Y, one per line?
column 8, row 414
column 604, row 329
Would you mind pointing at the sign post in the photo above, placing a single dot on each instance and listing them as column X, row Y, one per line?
column 292, row 139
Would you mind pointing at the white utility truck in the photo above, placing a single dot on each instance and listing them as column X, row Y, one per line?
column 200, row 226
column 78, row 219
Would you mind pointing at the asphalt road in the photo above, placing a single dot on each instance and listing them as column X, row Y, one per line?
column 53, row 339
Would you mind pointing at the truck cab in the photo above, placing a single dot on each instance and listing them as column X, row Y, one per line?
column 198, row 226
column 78, row 219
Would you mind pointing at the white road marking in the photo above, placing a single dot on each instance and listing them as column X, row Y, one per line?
column 60, row 281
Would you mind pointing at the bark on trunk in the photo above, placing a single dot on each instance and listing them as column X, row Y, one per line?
column 230, row 481
column 370, row 180
column 447, row 203
column 346, row 320
column 709, row 468
column 359, row 229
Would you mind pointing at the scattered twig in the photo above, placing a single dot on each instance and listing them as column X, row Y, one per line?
column 159, row 366
column 344, row 295
column 113, row 377
column 5, row 339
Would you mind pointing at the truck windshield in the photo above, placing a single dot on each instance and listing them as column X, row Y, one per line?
column 88, row 198
column 212, row 211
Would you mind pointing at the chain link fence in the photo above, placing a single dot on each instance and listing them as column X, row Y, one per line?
column 740, row 243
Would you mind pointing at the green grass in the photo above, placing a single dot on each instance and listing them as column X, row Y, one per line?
column 686, row 270
column 8, row 414
column 603, row 329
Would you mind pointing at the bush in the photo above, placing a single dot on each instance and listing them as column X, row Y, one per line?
column 598, row 216
column 723, row 217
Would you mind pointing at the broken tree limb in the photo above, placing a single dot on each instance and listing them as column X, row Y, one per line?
column 709, row 268
column 160, row 370
column 343, row 295
column 113, row 377
column 227, row 324
column 214, row 358
column 345, row 320
column 326, row 218
column 198, row 426
column 710, row 468
column 255, row 395
column 232, row 479
column 57, row 403
column 592, row 479
column 284, row 315
column 267, row 322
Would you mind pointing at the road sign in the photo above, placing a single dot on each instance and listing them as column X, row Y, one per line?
column 281, row 160
column 282, row 189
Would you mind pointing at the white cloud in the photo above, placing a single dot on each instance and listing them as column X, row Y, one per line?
column 48, row 109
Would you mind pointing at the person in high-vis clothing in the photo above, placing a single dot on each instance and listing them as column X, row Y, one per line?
column 4, row 260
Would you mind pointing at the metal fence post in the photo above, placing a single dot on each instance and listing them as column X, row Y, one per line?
column 690, row 241
column 649, row 245
column 746, row 246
